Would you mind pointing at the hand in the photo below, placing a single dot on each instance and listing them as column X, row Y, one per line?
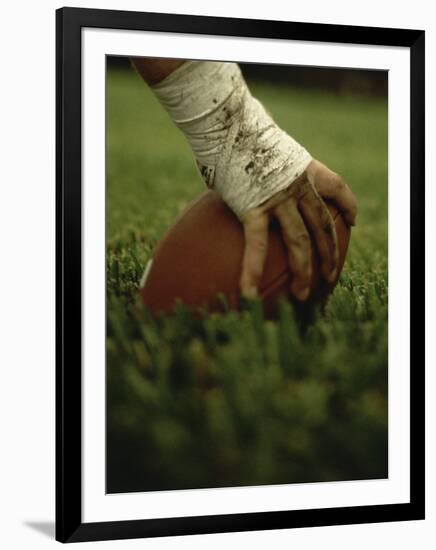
column 301, row 212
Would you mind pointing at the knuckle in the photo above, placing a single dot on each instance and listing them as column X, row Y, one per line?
column 338, row 182
column 306, row 268
column 301, row 240
column 258, row 244
column 329, row 229
column 324, row 229
column 301, row 268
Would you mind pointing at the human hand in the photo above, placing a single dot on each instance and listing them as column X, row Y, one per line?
column 301, row 213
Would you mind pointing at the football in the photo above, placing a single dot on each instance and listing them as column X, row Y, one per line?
column 198, row 262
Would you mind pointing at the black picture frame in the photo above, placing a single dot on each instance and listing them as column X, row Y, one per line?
column 69, row 525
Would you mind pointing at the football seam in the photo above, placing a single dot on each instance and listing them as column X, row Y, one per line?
column 278, row 281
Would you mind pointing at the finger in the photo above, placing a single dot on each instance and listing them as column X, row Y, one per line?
column 299, row 248
column 256, row 245
column 322, row 228
column 335, row 189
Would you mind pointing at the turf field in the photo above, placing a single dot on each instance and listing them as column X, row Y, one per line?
column 234, row 399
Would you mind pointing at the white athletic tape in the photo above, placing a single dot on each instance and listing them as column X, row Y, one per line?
column 239, row 149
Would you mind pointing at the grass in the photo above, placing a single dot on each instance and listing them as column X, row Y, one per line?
column 236, row 399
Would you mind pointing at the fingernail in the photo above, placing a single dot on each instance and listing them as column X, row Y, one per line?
column 302, row 294
column 250, row 292
column 332, row 276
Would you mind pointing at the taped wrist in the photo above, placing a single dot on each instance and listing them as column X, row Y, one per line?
column 239, row 149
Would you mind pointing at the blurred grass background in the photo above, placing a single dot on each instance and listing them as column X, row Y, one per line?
column 235, row 399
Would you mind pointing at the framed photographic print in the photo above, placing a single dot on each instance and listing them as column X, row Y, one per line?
column 240, row 274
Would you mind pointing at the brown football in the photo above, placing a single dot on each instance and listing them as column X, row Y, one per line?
column 200, row 257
